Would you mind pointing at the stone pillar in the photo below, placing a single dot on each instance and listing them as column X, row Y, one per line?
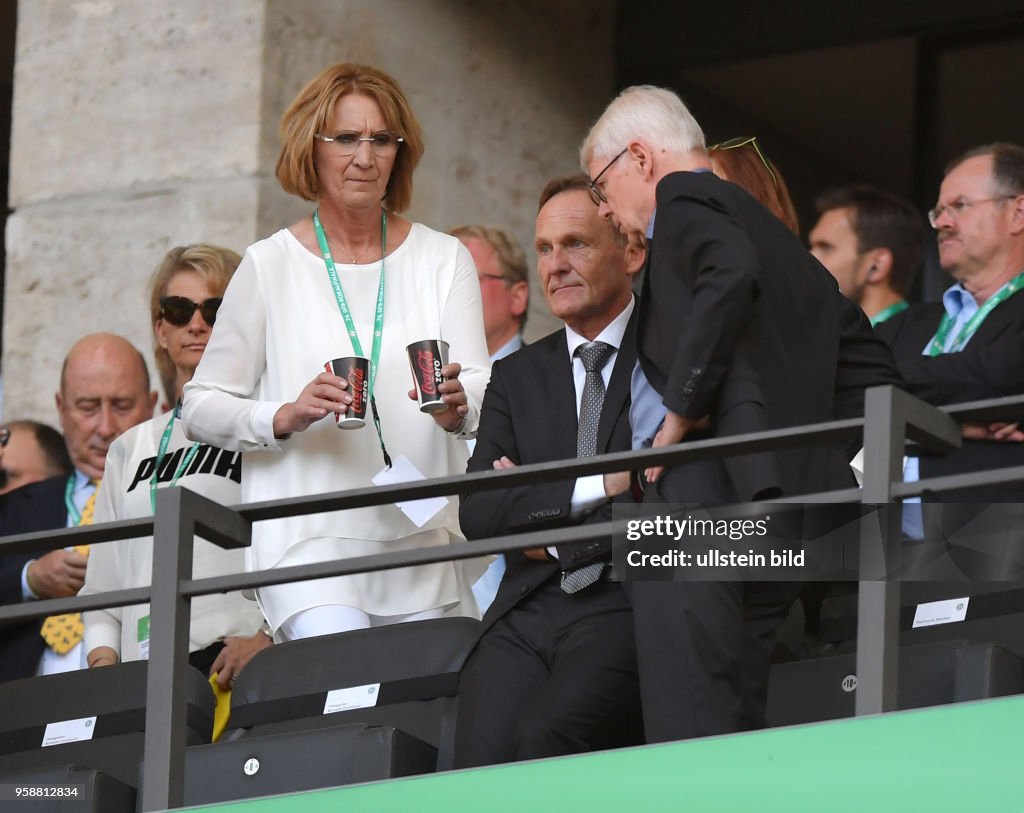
column 141, row 126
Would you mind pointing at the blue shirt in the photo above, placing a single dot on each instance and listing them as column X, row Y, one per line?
column 508, row 348
column 646, row 409
column 961, row 306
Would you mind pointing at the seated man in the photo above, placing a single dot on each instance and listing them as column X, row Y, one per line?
column 555, row 669
column 33, row 452
column 971, row 345
column 872, row 242
column 104, row 390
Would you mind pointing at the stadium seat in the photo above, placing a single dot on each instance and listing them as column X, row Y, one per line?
column 995, row 612
column 94, row 792
column 337, row 709
column 302, row 760
column 413, row 669
column 109, row 704
column 929, row 675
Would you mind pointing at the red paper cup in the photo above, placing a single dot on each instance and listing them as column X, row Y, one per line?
column 426, row 358
column 356, row 370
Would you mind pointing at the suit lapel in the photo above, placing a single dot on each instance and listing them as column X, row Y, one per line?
column 617, row 395
column 562, row 409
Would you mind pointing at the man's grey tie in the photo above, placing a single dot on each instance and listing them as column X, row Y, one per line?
column 594, row 356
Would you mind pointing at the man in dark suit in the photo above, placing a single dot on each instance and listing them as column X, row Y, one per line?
column 35, row 507
column 555, row 669
column 970, row 346
column 739, row 330
column 104, row 390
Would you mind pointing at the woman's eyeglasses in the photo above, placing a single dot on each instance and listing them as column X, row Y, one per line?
column 179, row 310
column 383, row 144
column 743, row 141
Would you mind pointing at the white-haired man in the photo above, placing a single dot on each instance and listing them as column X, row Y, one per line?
column 739, row 330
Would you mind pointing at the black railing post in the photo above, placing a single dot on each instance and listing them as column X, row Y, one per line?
column 164, row 768
column 878, row 600
column 180, row 515
column 890, row 417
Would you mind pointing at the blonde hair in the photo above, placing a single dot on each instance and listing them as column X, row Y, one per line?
column 311, row 112
column 214, row 264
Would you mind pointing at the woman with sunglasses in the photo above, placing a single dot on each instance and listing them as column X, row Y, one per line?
column 185, row 293
column 351, row 278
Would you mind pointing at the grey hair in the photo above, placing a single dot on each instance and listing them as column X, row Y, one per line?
column 643, row 112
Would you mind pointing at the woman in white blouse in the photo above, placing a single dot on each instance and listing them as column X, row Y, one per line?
column 352, row 278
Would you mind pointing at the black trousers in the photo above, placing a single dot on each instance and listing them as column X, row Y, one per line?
column 704, row 649
column 202, row 659
column 557, row 674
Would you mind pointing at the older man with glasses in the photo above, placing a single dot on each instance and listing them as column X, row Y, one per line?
column 739, row 329
column 970, row 346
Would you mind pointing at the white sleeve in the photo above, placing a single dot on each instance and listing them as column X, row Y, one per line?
column 105, row 569
column 219, row 406
column 462, row 326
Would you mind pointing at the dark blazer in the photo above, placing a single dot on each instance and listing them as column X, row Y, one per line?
column 737, row 321
column 529, row 415
column 990, row 366
column 35, row 507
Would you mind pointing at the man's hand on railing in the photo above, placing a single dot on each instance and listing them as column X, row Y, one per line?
column 673, row 430
column 999, row 431
column 235, row 655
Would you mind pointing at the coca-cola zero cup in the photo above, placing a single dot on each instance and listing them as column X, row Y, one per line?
column 426, row 358
column 355, row 370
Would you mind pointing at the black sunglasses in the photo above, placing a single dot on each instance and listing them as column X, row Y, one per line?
column 179, row 310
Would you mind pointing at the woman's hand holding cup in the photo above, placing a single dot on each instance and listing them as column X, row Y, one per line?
column 324, row 395
column 454, row 397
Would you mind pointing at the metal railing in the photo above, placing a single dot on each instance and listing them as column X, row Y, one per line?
column 891, row 418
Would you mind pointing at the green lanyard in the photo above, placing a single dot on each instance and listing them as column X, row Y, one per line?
column 161, row 453
column 889, row 312
column 69, row 501
column 937, row 344
column 378, row 317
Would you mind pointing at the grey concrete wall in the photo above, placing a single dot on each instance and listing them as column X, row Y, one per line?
column 140, row 126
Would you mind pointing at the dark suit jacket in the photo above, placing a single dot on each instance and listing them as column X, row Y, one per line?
column 990, row 366
column 739, row 322
column 529, row 415
column 35, row 507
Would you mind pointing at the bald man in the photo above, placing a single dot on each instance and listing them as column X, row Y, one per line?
column 104, row 391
